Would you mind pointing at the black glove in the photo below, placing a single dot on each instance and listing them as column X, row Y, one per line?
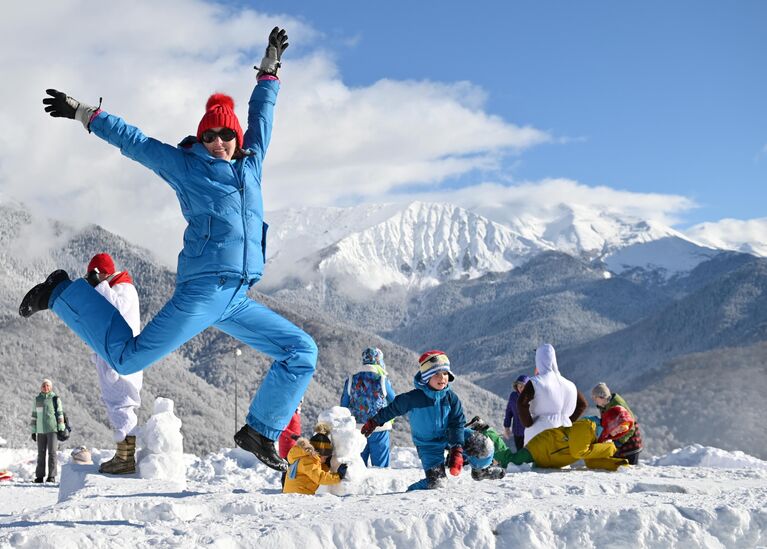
column 34, row 437
column 93, row 278
column 60, row 105
column 278, row 43
column 369, row 427
column 342, row 470
column 62, row 435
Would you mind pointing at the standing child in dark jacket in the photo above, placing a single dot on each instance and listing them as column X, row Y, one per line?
column 517, row 429
column 436, row 420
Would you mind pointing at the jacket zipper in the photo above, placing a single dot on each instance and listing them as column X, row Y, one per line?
column 241, row 181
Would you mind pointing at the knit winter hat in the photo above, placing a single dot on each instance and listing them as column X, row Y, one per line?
column 321, row 441
column 219, row 113
column 102, row 262
column 601, row 390
column 373, row 355
column 479, row 448
column 432, row 362
column 322, row 444
column 48, row 381
column 523, row 379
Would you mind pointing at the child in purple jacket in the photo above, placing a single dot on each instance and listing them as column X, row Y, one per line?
column 518, row 430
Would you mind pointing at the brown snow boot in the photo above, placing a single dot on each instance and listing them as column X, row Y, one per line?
column 124, row 462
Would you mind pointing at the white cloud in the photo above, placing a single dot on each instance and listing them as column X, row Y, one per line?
column 156, row 63
column 733, row 234
column 548, row 199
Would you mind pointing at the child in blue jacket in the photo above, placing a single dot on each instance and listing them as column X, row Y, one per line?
column 436, row 420
column 217, row 180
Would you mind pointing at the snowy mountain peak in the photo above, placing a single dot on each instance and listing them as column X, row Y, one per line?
column 424, row 244
column 419, row 244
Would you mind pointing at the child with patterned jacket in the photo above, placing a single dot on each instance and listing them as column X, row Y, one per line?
column 436, row 419
column 365, row 393
column 308, row 464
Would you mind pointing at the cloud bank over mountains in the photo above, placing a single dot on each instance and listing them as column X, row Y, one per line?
column 333, row 144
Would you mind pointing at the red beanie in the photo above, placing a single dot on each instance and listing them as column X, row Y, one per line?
column 219, row 113
column 102, row 262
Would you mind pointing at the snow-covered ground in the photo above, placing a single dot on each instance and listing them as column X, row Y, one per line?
column 694, row 497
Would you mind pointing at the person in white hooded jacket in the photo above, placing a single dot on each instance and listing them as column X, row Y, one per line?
column 549, row 400
column 120, row 393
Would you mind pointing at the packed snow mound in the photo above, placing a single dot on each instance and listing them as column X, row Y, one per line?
column 706, row 456
column 231, row 500
column 161, row 453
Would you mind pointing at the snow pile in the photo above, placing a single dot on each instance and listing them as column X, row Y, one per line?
column 706, row 456
column 162, row 455
column 348, row 444
column 231, row 500
column 3, row 442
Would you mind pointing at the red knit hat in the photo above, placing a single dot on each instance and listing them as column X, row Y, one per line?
column 219, row 113
column 102, row 262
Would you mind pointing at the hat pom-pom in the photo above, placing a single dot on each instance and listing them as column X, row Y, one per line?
column 322, row 429
column 219, row 100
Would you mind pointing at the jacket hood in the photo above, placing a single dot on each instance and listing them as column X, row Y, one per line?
column 121, row 277
column 296, row 453
column 546, row 360
column 431, row 393
column 374, row 368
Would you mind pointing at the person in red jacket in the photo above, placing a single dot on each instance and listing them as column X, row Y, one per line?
column 291, row 433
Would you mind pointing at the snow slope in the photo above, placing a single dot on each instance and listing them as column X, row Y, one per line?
column 694, row 497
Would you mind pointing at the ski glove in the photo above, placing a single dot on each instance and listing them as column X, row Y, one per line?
column 60, row 105
column 455, row 460
column 278, row 43
column 369, row 427
column 342, row 470
column 34, row 437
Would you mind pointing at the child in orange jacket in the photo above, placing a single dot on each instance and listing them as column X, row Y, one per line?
column 308, row 464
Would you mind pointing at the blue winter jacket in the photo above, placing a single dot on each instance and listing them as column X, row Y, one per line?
column 220, row 200
column 435, row 416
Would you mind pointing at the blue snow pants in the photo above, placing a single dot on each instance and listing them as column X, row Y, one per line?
column 432, row 454
column 377, row 449
column 196, row 304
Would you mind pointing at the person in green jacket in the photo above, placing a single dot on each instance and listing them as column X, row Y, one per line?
column 629, row 445
column 47, row 422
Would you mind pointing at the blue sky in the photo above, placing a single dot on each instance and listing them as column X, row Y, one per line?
column 514, row 110
column 651, row 96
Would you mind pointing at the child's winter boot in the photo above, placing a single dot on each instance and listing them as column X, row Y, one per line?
column 124, row 462
column 488, row 473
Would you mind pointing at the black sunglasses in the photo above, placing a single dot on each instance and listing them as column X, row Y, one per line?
column 226, row 134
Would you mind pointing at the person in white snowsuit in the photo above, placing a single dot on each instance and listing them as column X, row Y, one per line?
column 120, row 393
column 549, row 400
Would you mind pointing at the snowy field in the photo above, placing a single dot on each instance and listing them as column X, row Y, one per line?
column 694, row 497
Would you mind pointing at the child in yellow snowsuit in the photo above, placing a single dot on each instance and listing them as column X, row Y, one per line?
column 308, row 465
